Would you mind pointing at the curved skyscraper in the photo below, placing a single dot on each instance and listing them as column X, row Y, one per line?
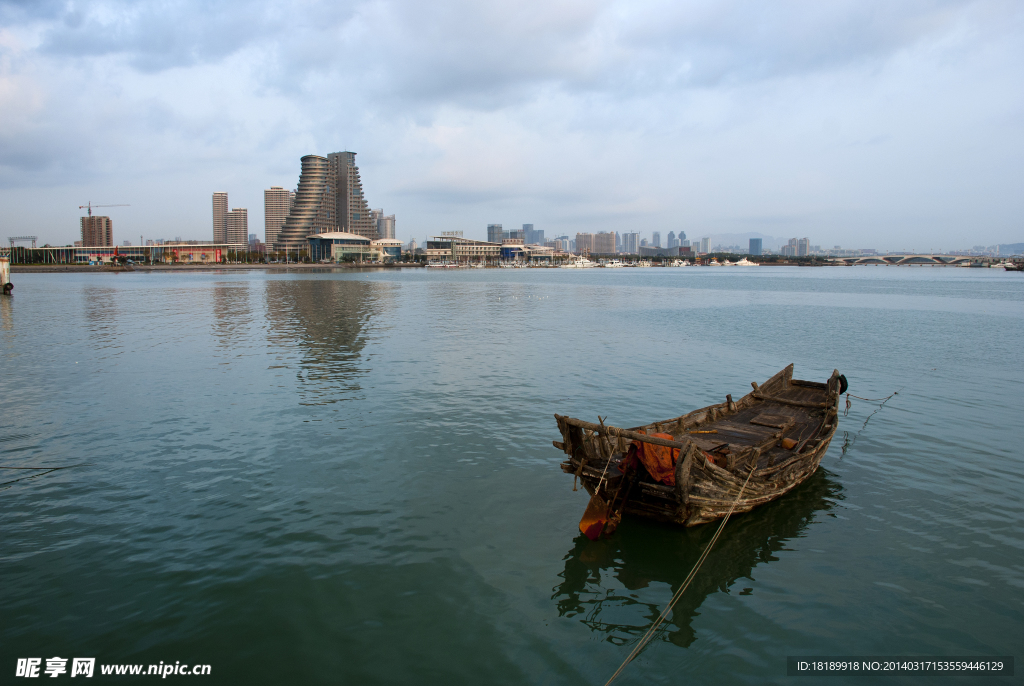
column 314, row 207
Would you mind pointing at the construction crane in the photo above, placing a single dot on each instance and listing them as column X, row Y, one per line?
column 89, row 205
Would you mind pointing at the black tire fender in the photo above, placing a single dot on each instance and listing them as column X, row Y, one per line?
column 843, row 384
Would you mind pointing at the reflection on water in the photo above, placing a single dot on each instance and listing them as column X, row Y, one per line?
column 232, row 313
column 641, row 553
column 102, row 314
column 326, row 321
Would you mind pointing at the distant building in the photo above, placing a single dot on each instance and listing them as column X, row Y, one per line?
column 705, row 245
column 97, row 231
column 630, row 243
column 277, row 203
column 513, row 235
column 495, row 233
column 673, row 242
column 755, row 246
column 220, row 217
column 238, row 227
column 532, row 237
column 656, row 239
column 386, row 227
column 329, row 199
column 803, row 247
column 604, row 243
column 584, row 243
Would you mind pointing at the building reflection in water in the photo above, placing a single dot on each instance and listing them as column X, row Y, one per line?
column 325, row 322
column 232, row 313
column 642, row 552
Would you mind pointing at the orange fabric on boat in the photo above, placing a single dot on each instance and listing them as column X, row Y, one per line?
column 660, row 460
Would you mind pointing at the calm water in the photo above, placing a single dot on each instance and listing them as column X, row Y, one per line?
column 348, row 477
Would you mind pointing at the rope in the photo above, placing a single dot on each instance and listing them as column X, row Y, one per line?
column 608, row 458
column 884, row 400
column 679, row 594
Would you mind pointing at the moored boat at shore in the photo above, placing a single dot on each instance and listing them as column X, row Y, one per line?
column 692, row 469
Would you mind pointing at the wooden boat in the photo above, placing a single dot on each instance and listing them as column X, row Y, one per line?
column 776, row 435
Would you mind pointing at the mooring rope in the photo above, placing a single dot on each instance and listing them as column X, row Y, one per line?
column 884, row 400
column 689, row 578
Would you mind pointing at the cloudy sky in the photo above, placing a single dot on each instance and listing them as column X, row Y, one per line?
column 862, row 123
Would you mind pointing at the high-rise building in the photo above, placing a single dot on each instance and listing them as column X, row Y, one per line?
column 705, row 245
column 238, row 227
column 631, row 243
column 673, row 242
column 532, row 236
column 495, row 233
column 803, row 247
column 386, row 226
column 277, row 202
column 584, row 243
column 755, row 246
column 656, row 239
column 220, row 217
column 353, row 212
column 97, row 231
column 604, row 243
column 313, row 210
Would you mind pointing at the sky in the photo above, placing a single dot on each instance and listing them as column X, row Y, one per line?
column 860, row 123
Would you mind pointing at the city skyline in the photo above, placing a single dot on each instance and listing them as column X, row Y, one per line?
column 864, row 125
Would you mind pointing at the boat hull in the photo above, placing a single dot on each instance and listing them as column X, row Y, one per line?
column 718, row 447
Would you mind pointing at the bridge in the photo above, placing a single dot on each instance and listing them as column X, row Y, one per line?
column 916, row 259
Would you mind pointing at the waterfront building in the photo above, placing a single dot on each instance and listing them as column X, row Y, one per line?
column 313, row 209
column 238, row 228
column 386, row 249
column 495, row 233
column 803, row 247
column 339, row 246
column 277, row 202
column 705, row 245
column 755, row 246
column 514, row 234
column 656, row 239
column 630, row 243
column 352, row 213
column 97, row 231
column 220, row 217
column 452, row 247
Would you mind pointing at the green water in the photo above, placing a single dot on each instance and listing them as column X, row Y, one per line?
column 348, row 477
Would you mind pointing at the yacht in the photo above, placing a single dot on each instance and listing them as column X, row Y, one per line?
column 746, row 263
column 578, row 263
column 612, row 264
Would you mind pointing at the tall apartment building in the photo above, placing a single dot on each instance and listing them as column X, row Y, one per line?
column 656, row 239
column 352, row 211
column 329, row 198
column 220, row 217
column 630, row 243
column 495, row 233
column 803, row 247
column 584, row 243
column 277, row 203
column 238, row 227
column 755, row 246
column 314, row 208
column 672, row 242
column 97, row 231
column 705, row 245
column 604, row 243
column 386, row 226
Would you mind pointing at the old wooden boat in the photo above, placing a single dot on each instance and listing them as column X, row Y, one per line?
column 766, row 443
